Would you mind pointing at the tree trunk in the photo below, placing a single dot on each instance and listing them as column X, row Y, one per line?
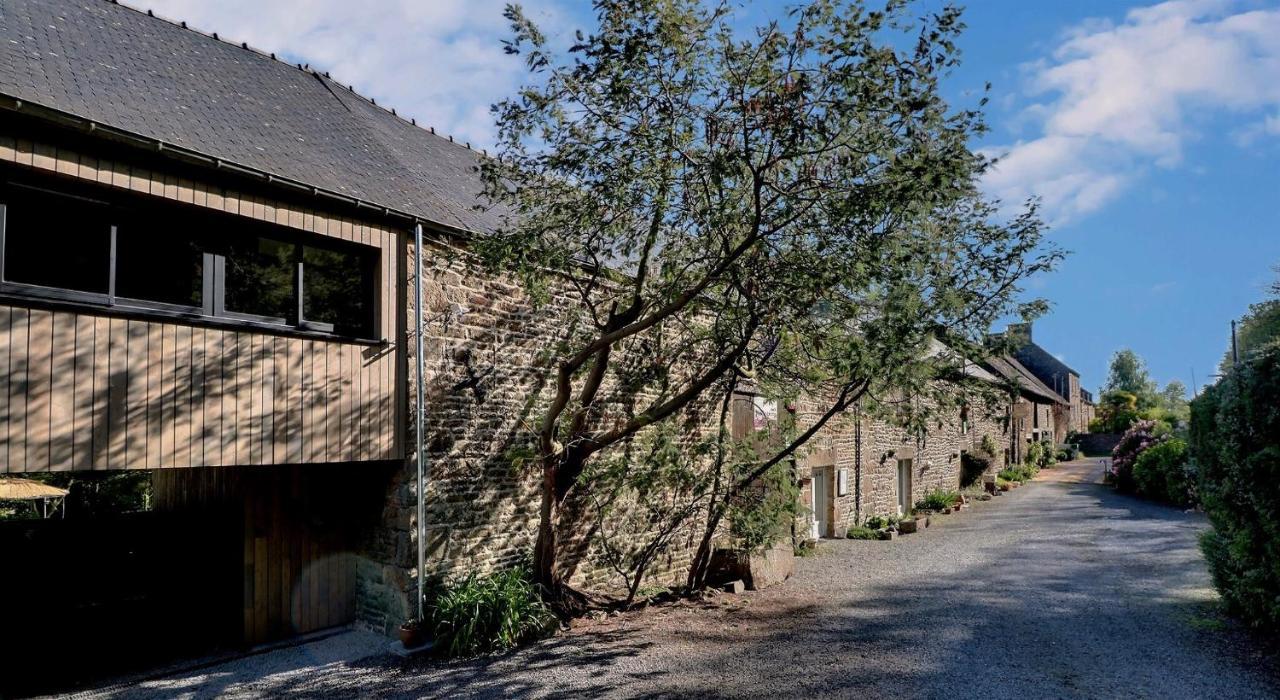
column 544, row 553
column 697, row 578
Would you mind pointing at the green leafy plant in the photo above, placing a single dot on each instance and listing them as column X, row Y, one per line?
column 1234, row 443
column 1048, row 455
column 877, row 522
column 1161, row 472
column 760, row 515
column 861, row 532
column 989, row 446
column 1034, row 454
column 1019, row 472
column 938, row 499
column 491, row 612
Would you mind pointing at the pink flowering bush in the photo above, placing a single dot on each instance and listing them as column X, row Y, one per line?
column 1140, row 436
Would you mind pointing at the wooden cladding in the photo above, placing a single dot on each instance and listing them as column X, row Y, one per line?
column 91, row 392
column 300, row 530
column 79, row 390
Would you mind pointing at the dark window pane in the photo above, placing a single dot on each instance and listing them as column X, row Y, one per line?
column 159, row 260
column 260, row 278
column 337, row 289
column 56, row 241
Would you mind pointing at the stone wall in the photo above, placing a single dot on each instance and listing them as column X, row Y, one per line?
column 488, row 378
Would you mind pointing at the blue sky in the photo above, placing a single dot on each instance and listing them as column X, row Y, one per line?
column 1150, row 130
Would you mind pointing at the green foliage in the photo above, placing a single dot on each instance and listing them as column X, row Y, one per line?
column 1068, row 453
column 879, row 522
column 1161, row 472
column 1035, row 454
column 1141, row 436
column 797, row 198
column 860, row 532
column 989, row 446
column 486, row 613
column 1019, row 472
column 91, row 494
column 1048, row 455
column 1128, row 374
column 1117, row 411
column 763, row 513
column 1257, row 331
column 938, row 499
column 1234, row 443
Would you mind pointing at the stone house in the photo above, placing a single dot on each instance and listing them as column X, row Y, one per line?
column 206, row 260
column 1057, row 376
column 861, row 465
column 1037, row 413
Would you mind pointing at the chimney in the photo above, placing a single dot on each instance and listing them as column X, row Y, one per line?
column 1019, row 333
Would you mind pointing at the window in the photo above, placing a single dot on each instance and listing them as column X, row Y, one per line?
column 338, row 291
column 260, row 279
column 159, row 263
column 157, row 257
column 66, row 243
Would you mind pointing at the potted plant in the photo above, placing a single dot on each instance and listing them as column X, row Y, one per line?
column 413, row 633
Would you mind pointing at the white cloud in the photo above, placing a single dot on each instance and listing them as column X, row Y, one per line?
column 440, row 61
column 1114, row 99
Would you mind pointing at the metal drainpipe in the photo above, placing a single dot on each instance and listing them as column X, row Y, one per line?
column 418, row 415
column 857, row 463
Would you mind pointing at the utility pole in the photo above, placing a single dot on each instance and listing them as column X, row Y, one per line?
column 1235, row 353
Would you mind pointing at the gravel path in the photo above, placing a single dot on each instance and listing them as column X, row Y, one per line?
column 1059, row 589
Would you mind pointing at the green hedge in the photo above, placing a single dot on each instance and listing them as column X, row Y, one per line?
column 1161, row 472
column 1235, row 447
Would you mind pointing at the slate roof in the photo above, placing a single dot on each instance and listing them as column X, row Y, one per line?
column 123, row 68
column 1013, row 371
column 1043, row 364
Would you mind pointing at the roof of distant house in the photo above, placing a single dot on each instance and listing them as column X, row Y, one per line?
column 1042, row 362
column 1013, row 371
column 149, row 77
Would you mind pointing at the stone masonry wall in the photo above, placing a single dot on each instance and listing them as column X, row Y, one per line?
column 488, row 376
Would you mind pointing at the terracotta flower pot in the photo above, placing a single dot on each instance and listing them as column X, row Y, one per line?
column 411, row 634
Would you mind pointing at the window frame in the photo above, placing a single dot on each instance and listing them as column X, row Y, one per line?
column 212, row 310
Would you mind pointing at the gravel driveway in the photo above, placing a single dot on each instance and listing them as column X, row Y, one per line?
column 1057, row 590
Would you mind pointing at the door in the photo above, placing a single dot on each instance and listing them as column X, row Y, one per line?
column 904, row 486
column 821, row 502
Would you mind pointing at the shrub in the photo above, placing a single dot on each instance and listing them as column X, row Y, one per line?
column 938, row 499
column 877, row 522
column 1160, row 472
column 1019, row 472
column 1140, row 436
column 1035, row 454
column 1048, row 455
column 859, row 532
column 1067, row 453
column 1234, row 443
column 485, row 613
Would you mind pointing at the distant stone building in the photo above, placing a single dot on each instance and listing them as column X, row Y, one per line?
column 1055, row 374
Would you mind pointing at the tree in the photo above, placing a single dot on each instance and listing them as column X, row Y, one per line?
column 793, row 207
column 1128, row 372
column 1259, row 329
column 1173, row 403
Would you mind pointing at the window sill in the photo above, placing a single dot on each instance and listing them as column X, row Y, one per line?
column 123, row 309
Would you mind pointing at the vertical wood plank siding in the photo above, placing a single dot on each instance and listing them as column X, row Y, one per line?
column 87, row 391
